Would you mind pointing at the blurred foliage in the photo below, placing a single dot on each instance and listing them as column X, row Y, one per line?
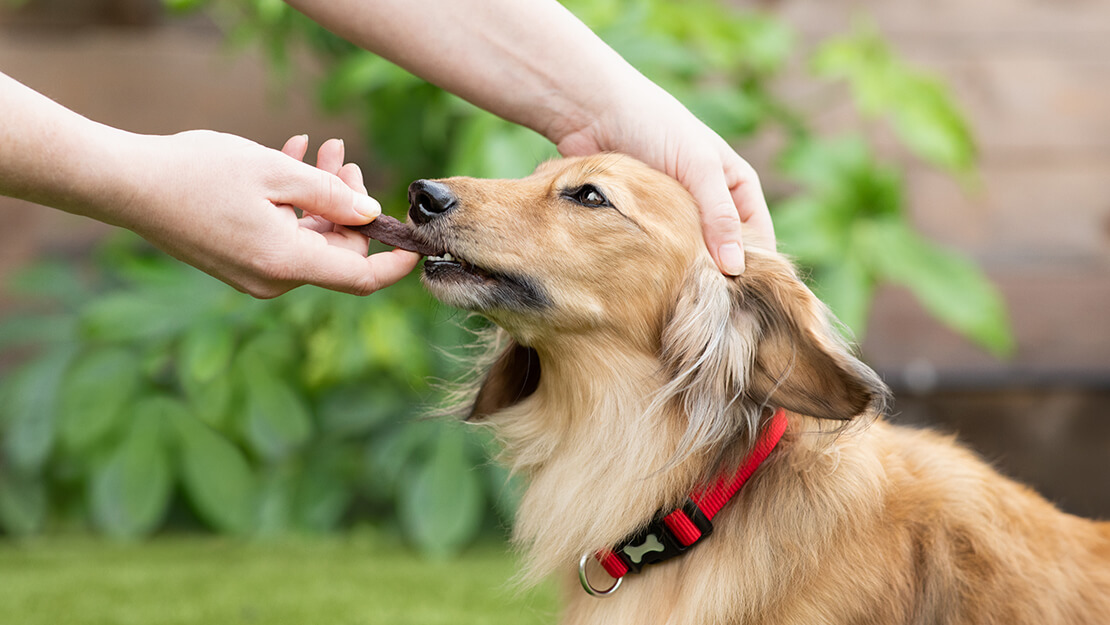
column 151, row 395
column 149, row 379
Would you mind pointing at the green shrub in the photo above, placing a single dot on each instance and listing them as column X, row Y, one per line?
column 152, row 396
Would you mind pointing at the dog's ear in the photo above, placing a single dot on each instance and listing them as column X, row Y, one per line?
column 764, row 337
column 513, row 376
column 801, row 362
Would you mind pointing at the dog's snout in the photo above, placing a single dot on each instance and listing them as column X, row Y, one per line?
column 429, row 199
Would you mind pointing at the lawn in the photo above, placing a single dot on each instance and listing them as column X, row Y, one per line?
column 217, row 581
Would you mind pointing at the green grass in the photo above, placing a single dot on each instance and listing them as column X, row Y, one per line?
column 217, row 581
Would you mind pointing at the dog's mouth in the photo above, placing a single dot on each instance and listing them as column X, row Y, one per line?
column 460, row 282
column 446, row 265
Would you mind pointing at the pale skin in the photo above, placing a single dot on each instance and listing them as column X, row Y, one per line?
column 225, row 204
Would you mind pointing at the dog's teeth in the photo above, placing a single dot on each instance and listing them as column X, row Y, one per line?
column 448, row 257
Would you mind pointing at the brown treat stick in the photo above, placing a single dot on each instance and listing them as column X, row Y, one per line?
column 396, row 233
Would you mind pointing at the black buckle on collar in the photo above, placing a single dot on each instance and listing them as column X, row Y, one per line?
column 655, row 543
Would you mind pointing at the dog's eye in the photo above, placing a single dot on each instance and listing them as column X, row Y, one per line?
column 588, row 195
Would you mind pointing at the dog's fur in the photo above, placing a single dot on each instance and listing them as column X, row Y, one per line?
column 633, row 371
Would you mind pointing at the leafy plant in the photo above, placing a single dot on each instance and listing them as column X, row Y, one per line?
column 149, row 379
column 152, row 396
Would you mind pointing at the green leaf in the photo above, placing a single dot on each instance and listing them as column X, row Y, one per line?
column 847, row 287
column 728, row 110
column 133, row 316
column 388, row 455
column 272, row 352
column 825, row 165
column 130, row 492
column 360, row 75
column 489, row 147
column 274, row 501
column 276, row 420
column 96, row 395
column 211, row 401
column 810, row 233
column 206, row 351
column 391, row 331
column 932, row 127
column 441, row 509
column 22, row 503
column 30, row 412
column 921, row 110
column 270, row 11
column 505, row 489
column 352, row 411
column 948, row 285
column 216, row 476
column 323, row 489
column 184, row 6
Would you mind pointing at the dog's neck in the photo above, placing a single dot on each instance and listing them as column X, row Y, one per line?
column 595, row 451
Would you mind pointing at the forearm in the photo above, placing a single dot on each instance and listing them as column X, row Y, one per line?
column 53, row 156
column 529, row 61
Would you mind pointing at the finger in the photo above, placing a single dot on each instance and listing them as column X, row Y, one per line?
column 330, row 156
column 320, row 193
column 720, row 221
column 296, row 147
column 351, row 174
column 751, row 204
column 347, row 271
column 315, row 224
column 348, row 239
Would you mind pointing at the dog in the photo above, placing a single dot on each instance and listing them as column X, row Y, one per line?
column 630, row 375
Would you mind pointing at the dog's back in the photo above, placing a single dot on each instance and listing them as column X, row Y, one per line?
column 980, row 548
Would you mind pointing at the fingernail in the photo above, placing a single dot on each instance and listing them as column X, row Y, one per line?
column 367, row 206
column 732, row 258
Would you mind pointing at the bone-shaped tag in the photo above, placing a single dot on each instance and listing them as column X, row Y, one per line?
column 636, row 554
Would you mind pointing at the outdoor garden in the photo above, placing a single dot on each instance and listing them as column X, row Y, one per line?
column 173, row 451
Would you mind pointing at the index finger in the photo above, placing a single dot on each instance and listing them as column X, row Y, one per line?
column 720, row 220
column 325, row 194
column 750, row 203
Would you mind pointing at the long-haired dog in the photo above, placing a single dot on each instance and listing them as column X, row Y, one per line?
column 633, row 374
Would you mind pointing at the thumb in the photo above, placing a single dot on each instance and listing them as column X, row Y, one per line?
column 344, row 270
column 320, row 193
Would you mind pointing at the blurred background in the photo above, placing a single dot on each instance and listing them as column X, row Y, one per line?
column 941, row 170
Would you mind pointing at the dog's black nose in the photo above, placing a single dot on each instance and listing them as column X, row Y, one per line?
column 429, row 199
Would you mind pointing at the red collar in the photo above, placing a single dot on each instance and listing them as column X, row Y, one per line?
column 672, row 534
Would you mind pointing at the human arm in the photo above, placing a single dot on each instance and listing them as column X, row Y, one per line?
column 533, row 63
column 216, row 201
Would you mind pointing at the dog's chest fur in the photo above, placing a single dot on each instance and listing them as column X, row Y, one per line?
column 877, row 525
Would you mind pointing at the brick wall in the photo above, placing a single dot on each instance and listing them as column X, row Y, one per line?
column 1033, row 75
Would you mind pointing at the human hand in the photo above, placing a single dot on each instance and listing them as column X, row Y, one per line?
column 225, row 205
column 657, row 129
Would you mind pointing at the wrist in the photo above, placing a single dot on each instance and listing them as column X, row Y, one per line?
column 614, row 93
column 112, row 185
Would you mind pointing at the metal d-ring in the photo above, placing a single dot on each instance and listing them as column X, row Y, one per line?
column 590, row 590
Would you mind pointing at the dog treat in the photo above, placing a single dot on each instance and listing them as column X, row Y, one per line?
column 396, row 233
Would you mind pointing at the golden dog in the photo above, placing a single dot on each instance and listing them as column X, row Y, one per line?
column 633, row 373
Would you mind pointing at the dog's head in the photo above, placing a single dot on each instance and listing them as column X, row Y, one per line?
column 608, row 248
